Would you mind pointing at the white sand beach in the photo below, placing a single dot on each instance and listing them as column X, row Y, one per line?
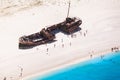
column 100, row 18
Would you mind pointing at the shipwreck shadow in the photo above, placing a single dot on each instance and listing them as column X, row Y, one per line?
column 24, row 47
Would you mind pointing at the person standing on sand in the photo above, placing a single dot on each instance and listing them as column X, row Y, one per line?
column 118, row 48
column 62, row 45
column 92, row 52
column 112, row 49
column 21, row 74
column 84, row 34
column 47, row 49
column 21, row 71
column 86, row 31
column 91, row 55
column 54, row 45
column 71, row 35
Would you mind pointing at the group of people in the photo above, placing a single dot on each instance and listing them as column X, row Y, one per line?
column 115, row 49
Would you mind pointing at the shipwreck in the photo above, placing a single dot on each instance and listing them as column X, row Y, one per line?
column 68, row 26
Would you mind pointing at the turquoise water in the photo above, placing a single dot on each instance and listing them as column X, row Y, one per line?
column 106, row 68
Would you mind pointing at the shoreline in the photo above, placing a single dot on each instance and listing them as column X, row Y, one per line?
column 77, row 60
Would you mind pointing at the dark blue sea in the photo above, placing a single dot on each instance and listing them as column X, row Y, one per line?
column 105, row 68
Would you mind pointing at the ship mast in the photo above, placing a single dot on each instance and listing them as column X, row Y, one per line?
column 68, row 8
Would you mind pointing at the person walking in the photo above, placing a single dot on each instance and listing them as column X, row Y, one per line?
column 47, row 49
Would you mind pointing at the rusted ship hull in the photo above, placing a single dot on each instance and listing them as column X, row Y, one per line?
column 39, row 38
column 70, row 25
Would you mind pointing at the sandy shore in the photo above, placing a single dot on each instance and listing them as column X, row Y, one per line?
column 68, row 63
column 100, row 19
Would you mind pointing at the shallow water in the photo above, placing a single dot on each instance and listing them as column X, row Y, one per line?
column 105, row 68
